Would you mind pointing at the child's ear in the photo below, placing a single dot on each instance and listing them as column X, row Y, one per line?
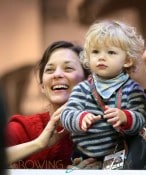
column 128, row 62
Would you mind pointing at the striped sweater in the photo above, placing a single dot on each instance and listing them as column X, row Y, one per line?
column 101, row 138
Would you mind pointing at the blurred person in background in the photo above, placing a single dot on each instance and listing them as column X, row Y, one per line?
column 2, row 139
column 144, row 59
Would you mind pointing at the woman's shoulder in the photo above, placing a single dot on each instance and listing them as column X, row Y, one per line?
column 22, row 128
column 30, row 122
column 42, row 117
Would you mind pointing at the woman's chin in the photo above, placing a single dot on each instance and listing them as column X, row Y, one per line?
column 60, row 100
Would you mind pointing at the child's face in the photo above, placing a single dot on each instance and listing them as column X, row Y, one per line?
column 108, row 62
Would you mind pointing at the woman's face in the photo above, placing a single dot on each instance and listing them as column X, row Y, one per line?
column 62, row 72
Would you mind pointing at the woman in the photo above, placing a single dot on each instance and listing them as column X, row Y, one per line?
column 33, row 142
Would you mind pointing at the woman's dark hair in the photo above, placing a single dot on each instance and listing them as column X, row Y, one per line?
column 54, row 46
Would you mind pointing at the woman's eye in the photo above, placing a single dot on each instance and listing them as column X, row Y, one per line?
column 111, row 52
column 69, row 69
column 49, row 70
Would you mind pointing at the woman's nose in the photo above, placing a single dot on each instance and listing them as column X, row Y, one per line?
column 58, row 73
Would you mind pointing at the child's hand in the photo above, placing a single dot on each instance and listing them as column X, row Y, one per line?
column 88, row 120
column 115, row 116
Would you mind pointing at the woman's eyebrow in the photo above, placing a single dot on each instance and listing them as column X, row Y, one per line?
column 49, row 64
column 69, row 62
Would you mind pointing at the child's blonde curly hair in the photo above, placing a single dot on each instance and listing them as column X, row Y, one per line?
column 118, row 34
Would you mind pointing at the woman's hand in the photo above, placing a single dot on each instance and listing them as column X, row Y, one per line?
column 89, row 163
column 50, row 136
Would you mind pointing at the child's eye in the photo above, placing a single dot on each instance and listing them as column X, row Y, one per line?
column 95, row 51
column 111, row 52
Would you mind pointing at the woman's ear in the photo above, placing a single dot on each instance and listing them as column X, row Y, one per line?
column 42, row 88
column 128, row 62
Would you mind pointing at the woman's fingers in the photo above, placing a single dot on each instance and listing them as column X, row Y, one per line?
column 57, row 136
column 89, row 163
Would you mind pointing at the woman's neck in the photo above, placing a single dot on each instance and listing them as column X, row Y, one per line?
column 53, row 108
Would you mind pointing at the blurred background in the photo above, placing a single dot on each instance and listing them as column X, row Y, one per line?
column 27, row 27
